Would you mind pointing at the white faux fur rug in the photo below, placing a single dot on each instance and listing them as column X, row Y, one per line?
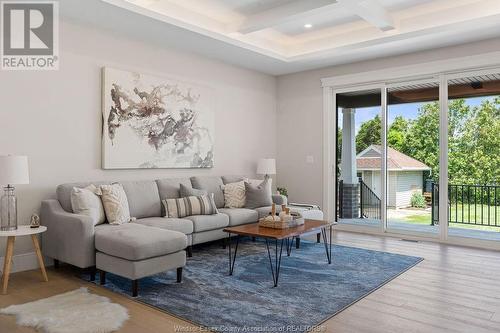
column 76, row 311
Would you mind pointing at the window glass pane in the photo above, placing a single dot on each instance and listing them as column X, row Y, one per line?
column 413, row 157
column 474, row 156
column 359, row 158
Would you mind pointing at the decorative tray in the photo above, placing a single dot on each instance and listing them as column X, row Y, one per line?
column 297, row 220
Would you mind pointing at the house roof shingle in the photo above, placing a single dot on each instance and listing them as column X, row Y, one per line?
column 396, row 160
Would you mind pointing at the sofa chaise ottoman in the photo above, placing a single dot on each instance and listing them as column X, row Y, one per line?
column 135, row 251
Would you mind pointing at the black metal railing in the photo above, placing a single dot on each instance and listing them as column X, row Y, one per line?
column 340, row 198
column 434, row 204
column 369, row 203
column 470, row 204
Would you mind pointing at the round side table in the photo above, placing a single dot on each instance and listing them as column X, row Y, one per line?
column 23, row 230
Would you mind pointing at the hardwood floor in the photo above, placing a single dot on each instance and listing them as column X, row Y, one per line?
column 455, row 289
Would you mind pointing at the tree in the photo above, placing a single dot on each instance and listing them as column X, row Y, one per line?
column 473, row 139
column 474, row 143
column 422, row 140
column 368, row 134
column 398, row 131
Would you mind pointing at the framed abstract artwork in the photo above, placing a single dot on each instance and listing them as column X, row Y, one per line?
column 154, row 122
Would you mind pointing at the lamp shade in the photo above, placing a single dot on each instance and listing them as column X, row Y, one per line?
column 14, row 170
column 266, row 166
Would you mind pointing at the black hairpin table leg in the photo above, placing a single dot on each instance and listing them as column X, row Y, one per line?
column 232, row 259
column 328, row 243
column 275, row 269
column 289, row 245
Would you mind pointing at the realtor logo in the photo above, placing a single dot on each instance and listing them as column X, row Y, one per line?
column 29, row 35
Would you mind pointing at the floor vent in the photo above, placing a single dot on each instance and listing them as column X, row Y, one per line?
column 409, row 240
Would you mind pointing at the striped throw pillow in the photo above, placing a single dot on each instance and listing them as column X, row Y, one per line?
column 193, row 205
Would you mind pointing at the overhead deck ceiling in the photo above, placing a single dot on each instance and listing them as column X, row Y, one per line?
column 474, row 86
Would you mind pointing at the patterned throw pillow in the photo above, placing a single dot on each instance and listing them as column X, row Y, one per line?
column 114, row 200
column 234, row 195
column 193, row 205
column 86, row 201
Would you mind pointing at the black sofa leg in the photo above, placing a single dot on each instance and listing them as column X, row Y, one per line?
column 224, row 243
column 92, row 272
column 189, row 251
column 253, row 239
column 56, row 263
column 297, row 243
column 102, row 277
column 318, row 238
column 179, row 274
column 135, row 287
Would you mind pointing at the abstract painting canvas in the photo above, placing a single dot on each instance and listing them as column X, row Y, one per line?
column 154, row 122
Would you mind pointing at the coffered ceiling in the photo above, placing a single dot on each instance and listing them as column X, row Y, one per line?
column 301, row 34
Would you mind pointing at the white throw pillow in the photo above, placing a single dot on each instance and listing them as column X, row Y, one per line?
column 114, row 200
column 234, row 195
column 86, row 201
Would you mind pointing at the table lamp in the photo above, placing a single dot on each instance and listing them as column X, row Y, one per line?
column 266, row 166
column 13, row 171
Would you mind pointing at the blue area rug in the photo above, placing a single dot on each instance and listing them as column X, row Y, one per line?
column 309, row 292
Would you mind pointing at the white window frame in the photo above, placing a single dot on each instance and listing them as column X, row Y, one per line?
column 438, row 71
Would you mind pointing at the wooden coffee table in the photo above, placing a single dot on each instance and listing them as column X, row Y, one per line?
column 282, row 236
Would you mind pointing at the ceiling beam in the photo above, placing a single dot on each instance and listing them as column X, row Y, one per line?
column 372, row 12
column 291, row 11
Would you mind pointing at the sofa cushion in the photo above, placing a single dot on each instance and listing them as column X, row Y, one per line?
column 208, row 222
column 87, row 201
column 233, row 179
column 63, row 193
column 188, row 191
column 239, row 216
column 143, row 198
column 234, row 195
column 133, row 241
column 211, row 185
column 264, row 211
column 258, row 195
column 169, row 188
column 181, row 225
column 182, row 207
column 115, row 203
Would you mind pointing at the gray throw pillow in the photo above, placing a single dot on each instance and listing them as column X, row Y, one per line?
column 191, row 192
column 258, row 195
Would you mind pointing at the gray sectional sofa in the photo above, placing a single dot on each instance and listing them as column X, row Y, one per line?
column 151, row 243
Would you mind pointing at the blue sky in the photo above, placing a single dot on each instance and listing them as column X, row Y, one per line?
column 408, row 111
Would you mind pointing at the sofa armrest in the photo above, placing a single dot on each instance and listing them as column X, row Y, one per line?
column 280, row 199
column 69, row 237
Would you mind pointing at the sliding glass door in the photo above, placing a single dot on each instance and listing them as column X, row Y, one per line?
column 412, row 150
column 359, row 160
column 393, row 138
column 474, row 156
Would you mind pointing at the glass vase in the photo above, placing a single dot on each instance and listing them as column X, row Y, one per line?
column 8, row 209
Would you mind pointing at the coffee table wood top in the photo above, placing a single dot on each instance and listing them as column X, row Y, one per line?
column 254, row 230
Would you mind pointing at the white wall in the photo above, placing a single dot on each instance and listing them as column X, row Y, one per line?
column 300, row 108
column 408, row 182
column 54, row 117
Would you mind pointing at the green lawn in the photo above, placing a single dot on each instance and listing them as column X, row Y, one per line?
column 456, row 211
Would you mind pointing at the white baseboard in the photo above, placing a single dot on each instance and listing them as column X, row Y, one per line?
column 25, row 262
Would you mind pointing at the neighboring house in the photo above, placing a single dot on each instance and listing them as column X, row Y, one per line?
column 404, row 178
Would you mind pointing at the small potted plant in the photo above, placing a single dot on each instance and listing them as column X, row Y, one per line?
column 282, row 191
